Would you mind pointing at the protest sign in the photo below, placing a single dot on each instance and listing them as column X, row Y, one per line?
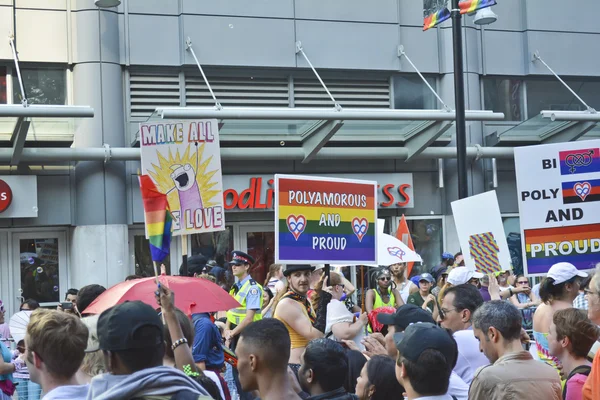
column 183, row 159
column 559, row 188
column 481, row 233
column 325, row 220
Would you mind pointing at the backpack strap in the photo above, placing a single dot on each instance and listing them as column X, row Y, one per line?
column 583, row 370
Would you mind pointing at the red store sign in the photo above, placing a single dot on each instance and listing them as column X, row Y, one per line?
column 246, row 192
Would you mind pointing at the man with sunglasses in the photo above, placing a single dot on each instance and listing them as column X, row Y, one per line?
column 458, row 306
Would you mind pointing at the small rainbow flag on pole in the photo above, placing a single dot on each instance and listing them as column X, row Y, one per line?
column 434, row 13
column 158, row 218
column 469, row 6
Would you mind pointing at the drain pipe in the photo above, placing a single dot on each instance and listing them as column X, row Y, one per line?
column 106, row 154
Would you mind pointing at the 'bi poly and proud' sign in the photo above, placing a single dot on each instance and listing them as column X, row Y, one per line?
column 325, row 220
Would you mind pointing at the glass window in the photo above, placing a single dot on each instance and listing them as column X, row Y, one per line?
column 3, row 97
column 39, row 270
column 504, row 95
column 411, row 93
column 215, row 246
column 428, row 239
column 261, row 246
column 143, row 259
column 550, row 94
column 512, row 228
column 42, row 86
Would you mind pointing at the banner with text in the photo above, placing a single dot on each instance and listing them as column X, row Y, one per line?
column 325, row 220
column 481, row 233
column 183, row 158
column 559, row 189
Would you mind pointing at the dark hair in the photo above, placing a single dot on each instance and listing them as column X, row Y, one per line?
column 431, row 363
column 133, row 277
column 549, row 291
column 575, row 325
column 271, row 339
column 500, row 314
column 585, row 282
column 269, row 293
column 145, row 357
column 466, row 297
column 328, row 361
column 381, row 372
column 458, row 254
column 356, row 362
column 186, row 328
column 31, row 303
column 87, row 295
column 72, row 292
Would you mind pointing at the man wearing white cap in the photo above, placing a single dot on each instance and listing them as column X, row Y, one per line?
column 461, row 275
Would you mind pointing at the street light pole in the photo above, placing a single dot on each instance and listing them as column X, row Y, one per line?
column 459, row 100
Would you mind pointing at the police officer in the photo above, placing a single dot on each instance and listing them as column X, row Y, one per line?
column 249, row 294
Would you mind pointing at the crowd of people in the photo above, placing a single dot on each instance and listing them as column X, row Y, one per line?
column 448, row 333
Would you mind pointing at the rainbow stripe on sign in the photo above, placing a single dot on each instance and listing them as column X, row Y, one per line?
column 484, row 250
column 579, row 161
column 436, row 18
column 325, row 220
column 469, row 6
column 579, row 245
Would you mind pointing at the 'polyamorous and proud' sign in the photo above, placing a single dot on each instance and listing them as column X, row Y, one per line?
column 559, row 202
column 325, row 220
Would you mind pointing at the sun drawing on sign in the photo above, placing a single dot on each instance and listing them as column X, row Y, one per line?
column 185, row 180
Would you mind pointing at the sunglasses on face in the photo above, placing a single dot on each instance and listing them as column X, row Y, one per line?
column 385, row 278
column 523, row 282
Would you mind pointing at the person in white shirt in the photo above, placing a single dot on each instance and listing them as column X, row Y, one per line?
column 426, row 356
column 341, row 323
column 55, row 346
column 458, row 306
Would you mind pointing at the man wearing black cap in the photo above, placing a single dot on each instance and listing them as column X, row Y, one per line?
column 296, row 312
column 131, row 338
column 426, row 356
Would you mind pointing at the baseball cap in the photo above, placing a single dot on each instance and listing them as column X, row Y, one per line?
column 447, row 256
column 404, row 316
column 117, row 327
column 423, row 336
column 563, row 271
column 426, row 277
column 460, row 275
column 91, row 323
column 439, row 272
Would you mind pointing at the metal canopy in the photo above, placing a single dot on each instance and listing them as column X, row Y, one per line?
column 21, row 123
column 550, row 127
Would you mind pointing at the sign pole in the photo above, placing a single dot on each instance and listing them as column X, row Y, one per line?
column 459, row 96
column 184, row 255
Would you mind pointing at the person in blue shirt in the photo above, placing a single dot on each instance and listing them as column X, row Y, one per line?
column 207, row 348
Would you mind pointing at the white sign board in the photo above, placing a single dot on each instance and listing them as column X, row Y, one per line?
column 481, row 233
column 183, row 159
column 559, row 204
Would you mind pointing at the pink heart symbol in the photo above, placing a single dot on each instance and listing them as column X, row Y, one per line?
column 582, row 189
column 360, row 227
column 396, row 252
column 296, row 225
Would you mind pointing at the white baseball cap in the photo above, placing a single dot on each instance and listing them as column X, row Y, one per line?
column 563, row 271
column 460, row 275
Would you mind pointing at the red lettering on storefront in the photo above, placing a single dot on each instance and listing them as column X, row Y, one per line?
column 250, row 198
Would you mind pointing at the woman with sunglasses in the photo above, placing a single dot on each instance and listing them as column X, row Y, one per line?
column 525, row 301
column 384, row 294
column 341, row 323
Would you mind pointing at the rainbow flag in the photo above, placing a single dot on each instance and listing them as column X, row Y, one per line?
column 434, row 13
column 325, row 220
column 578, row 245
column 469, row 6
column 158, row 218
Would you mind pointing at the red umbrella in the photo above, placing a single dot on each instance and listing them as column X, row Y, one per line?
column 192, row 295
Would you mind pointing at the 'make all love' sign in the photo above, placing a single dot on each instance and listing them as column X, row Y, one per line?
column 325, row 220
column 559, row 204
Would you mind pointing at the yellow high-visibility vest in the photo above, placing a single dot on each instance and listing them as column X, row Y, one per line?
column 236, row 315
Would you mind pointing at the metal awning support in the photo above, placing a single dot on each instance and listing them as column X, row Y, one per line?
column 571, row 115
column 315, row 139
column 402, row 53
column 537, row 57
column 567, row 132
column 42, row 111
column 300, row 50
column 18, row 139
column 423, row 136
column 285, row 113
column 11, row 38
column 188, row 47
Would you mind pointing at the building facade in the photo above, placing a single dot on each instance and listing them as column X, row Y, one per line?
column 127, row 61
